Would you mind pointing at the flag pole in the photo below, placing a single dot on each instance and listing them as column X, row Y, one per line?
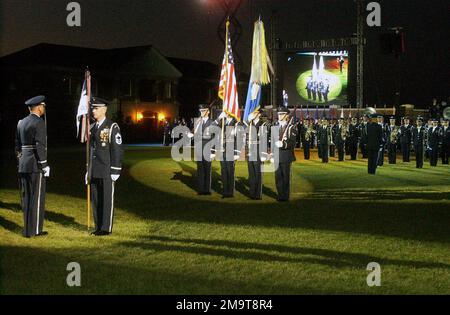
column 88, row 142
column 226, row 75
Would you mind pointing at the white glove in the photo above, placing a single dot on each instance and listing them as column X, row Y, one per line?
column 190, row 135
column 46, row 171
column 115, row 177
column 236, row 157
column 212, row 156
column 251, row 117
column 86, row 178
column 222, row 115
column 263, row 159
column 279, row 144
column 272, row 160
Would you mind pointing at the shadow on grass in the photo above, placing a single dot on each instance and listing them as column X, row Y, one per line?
column 123, row 277
column 272, row 252
column 10, row 226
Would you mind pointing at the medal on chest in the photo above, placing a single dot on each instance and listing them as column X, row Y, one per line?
column 104, row 136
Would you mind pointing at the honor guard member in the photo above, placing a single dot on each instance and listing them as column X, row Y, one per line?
column 229, row 152
column 374, row 143
column 33, row 168
column 204, row 151
column 256, row 156
column 340, row 136
column 392, row 137
column 353, row 138
column 419, row 136
column 332, row 147
column 433, row 142
column 285, row 145
column 105, row 166
column 445, row 142
column 405, row 139
column 325, row 137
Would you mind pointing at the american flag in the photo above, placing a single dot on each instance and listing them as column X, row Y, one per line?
column 227, row 85
column 83, row 109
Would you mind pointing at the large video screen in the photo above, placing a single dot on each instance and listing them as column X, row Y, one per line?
column 316, row 78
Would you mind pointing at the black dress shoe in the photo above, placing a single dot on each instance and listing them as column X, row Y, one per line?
column 95, row 232
column 101, row 233
column 43, row 233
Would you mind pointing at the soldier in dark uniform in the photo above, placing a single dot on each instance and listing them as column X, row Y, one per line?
column 353, row 138
column 374, row 143
column 318, row 127
column 433, row 139
column 392, row 136
column 419, row 135
column 405, row 139
column 33, row 168
column 363, row 137
column 229, row 153
column 332, row 147
column 324, row 135
column 285, row 145
column 306, row 137
column 380, row 119
column 105, row 166
column 204, row 151
column 445, row 142
column 340, row 135
column 257, row 153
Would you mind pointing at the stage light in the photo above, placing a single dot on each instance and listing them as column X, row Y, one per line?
column 139, row 117
column 161, row 117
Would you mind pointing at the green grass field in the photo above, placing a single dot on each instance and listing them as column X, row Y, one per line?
column 168, row 240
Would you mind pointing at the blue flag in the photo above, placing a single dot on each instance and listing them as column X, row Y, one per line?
column 253, row 99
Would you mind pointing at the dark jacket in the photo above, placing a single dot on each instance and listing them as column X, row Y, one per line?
column 31, row 144
column 374, row 137
column 106, row 150
column 418, row 136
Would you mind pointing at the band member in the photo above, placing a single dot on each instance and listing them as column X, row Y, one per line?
column 405, row 139
column 340, row 136
column 318, row 127
column 332, row 148
column 380, row 119
column 374, row 143
column 285, row 145
column 353, row 139
column 419, row 136
column 363, row 136
column 325, row 135
column 204, row 150
column 33, row 168
column 392, row 137
column 445, row 142
column 307, row 137
column 433, row 142
column 257, row 154
column 106, row 155
column 229, row 153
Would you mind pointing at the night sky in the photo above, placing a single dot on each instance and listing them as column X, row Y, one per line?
column 188, row 29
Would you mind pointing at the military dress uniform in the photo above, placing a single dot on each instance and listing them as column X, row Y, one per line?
column 340, row 141
column 374, row 145
column 287, row 139
column 353, row 140
column 433, row 139
column 230, row 153
column 391, row 137
column 419, row 135
column 384, row 129
column 256, row 156
column 405, row 141
column 106, row 155
column 31, row 152
column 325, row 137
column 445, row 143
column 363, row 139
column 203, row 150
